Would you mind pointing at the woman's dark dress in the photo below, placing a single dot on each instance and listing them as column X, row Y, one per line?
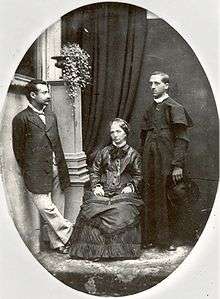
column 108, row 226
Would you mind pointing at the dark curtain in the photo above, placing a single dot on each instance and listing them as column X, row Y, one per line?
column 114, row 35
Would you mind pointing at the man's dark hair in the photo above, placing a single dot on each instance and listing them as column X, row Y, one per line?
column 122, row 123
column 32, row 87
column 164, row 77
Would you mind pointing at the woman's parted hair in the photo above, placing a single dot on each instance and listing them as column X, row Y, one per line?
column 122, row 123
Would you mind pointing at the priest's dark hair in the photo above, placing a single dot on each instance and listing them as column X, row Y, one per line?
column 164, row 77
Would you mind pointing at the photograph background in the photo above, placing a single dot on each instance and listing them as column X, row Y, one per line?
column 152, row 45
column 14, row 255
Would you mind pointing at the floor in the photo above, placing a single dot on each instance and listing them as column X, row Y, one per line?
column 123, row 277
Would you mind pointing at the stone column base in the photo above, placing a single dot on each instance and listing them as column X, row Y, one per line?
column 78, row 177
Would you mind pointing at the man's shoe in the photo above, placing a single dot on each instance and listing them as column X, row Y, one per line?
column 171, row 248
column 148, row 246
column 96, row 259
column 63, row 249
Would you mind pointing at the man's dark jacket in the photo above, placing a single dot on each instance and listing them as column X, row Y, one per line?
column 33, row 145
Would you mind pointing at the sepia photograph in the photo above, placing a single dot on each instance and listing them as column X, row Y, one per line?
column 109, row 151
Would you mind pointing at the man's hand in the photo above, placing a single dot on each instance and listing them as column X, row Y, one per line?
column 127, row 189
column 177, row 174
column 98, row 191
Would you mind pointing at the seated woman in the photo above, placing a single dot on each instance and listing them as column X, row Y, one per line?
column 108, row 225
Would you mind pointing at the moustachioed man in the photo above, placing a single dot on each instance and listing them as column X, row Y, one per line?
column 38, row 151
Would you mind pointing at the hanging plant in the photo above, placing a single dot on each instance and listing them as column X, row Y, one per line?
column 75, row 67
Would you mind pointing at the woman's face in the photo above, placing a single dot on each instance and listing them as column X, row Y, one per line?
column 118, row 135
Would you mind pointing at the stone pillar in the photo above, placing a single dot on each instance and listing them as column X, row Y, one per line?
column 48, row 44
column 69, row 119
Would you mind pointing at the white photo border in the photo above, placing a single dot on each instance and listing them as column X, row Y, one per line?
column 21, row 22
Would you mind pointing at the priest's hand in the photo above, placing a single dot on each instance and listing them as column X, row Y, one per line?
column 177, row 174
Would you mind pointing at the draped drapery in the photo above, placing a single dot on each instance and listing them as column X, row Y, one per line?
column 114, row 35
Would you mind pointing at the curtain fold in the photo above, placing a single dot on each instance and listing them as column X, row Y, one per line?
column 114, row 35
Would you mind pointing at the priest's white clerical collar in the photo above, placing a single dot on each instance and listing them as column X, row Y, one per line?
column 36, row 110
column 120, row 145
column 162, row 98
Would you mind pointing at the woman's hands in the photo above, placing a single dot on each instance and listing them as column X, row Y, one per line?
column 127, row 189
column 98, row 191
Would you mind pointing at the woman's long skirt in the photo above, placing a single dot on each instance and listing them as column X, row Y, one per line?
column 108, row 228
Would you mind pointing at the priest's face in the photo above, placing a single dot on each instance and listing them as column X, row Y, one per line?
column 157, row 86
column 118, row 135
